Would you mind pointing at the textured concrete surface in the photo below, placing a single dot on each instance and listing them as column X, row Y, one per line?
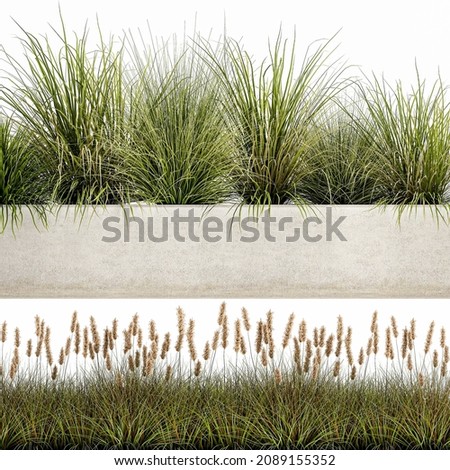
column 378, row 259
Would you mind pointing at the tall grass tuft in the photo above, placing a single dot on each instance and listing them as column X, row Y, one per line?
column 341, row 165
column 270, row 109
column 22, row 182
column 409, row 133
column 177, row 149
column 71, row 102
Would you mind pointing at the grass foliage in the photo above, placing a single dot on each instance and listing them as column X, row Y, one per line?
column 140, row 120
column 178, row 150
column 242, row 390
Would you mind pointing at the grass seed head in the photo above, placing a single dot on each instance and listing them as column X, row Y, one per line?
column 4, row 332
column 17, row 338
column 29, row 347
column 245, row 319
column 429, row 339
column 288, row 331
column 278, row 376
column 73, row 322
column 206, row 351
column 329, row 345
column 302, row 330
column 394, row 326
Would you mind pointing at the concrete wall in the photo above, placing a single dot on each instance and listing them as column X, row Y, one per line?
column 364, row 254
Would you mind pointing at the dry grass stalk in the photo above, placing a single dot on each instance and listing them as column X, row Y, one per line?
column 394, row 327
column 421, row 379
column 302, row 330
column 149, row 365
column 139, row 338
column 165, row 346
column 316, row 337
column 369, row 347
column 17, row 338
column 443, row 338
column 375, row 339
column 225, row 332
column 127, row 345
column 151, row 330
column 348, row 346
column 322, row 335
column 137, row 359
column 446, row 354
column 91, row 351
column 135, row 324
column 190, row 339
column 111, row 340
column 296, row 351
column 77, row 339
column 14, row 367
column 61, row 357
column 215, row 340
column 105, row 342
column 245, row 319
column 410, row 341
column 180, row 326
column 263, row 357
column 288, row 331
column 388, row 352
column 39, row 344
column 336, row 368
column 413, row 329
column 374, row 325
column 443, row 369
column 308, row 356
column 410, row 362
column 206, row 351
column 154, row 348
column 168, row 373
column 85, row 342
column 278, row 376
column 48, row 349
column 259, row 336
column 130, row 363
column 37, row 326
column 108, row 363
column 353, row 373
column 115, row 328
column 243, row 346
column 329, row 345
column 435, row 359
column 54, row 372
column 429, row 339
column 404, row 343
column 340, row 329
column 237, row 336
column 29, row 347
column 73, row 322
column 222, row 312
column 198, row 368
column 4, row 332
column 95, row 335
column 361, row 357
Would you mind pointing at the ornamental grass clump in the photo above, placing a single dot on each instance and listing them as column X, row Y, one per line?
column 22, row 180
column 409, row 135
column 176, row 148
column 270, row 110
column 71, row 103
column 341, row 165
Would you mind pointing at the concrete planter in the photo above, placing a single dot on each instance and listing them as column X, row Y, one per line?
column 183, row 251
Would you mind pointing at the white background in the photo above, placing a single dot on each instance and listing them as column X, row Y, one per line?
column 385, row 36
